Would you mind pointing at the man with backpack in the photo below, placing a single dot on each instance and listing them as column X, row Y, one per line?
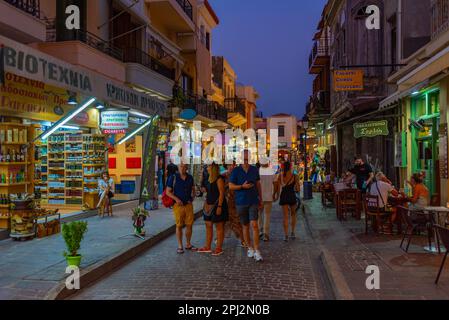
column 181, row 188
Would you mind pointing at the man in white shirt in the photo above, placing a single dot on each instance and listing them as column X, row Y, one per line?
column 270, row 193
column 382, row 190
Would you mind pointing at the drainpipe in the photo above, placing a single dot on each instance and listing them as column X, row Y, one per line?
column 399, row 37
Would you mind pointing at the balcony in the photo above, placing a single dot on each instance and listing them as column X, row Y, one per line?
column 236, row 111
column 20, row 20
column 135, row 55
column 207, row 111
column 319, row 57
column 86, row 37
column 318, row 107
column 440, row 17
column 85, row 49
column 172, row 15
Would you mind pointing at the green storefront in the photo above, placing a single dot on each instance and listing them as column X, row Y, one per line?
column 424, row 124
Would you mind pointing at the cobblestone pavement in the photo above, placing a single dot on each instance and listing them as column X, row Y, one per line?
column 29, row 270
column 290, row 271
column 403, row 275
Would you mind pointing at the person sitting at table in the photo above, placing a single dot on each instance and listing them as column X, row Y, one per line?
column 420, row 198
column 383, row 177
column 331, row 178
column 382, row 190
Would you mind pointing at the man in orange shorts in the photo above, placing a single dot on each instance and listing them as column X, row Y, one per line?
column 181, row 188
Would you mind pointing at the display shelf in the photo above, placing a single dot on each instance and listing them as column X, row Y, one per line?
column 13, row 124
column 14, row 163
column 14, row 184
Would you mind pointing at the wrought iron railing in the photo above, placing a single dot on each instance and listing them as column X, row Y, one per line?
column 186, row 7
column 85, row 37
column 138, row 56
column 440, row 17
column 235, row 105
column 29, row 6
column 203, row 107
column 320, row 48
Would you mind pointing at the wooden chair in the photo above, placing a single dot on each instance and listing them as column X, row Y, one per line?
column 374, row 213
column 327, row 195
column 348, row 201
column 443, row 233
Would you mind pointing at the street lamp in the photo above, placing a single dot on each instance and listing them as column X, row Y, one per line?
column 307, row 184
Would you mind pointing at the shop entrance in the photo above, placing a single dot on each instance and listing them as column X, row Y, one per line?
column 425, row 144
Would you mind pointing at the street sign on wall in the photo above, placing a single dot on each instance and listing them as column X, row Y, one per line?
column 348, row 80
column 371, row 129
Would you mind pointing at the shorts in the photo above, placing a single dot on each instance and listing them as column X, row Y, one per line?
column 183, row 215
column 248, row 213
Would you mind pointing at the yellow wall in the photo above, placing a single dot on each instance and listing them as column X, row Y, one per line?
column 121, row 171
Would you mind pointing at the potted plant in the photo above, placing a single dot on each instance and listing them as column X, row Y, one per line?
column 139, row 217
column 73, row 234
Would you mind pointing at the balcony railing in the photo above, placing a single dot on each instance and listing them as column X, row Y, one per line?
column 85, row 37
column 440, row 17
column 319, row 104
column 235, row 105
column 29, row 6
column 320, row 49
column 203, row 107
column 138, row 56
column 186, row 7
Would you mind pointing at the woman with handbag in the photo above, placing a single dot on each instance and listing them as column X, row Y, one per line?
column 215, row 210
column 107, row 189
column 288, row 201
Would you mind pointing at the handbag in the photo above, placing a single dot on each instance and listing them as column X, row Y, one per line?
column 167, row 201
column 212, row 211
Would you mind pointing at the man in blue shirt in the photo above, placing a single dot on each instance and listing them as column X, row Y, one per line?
column 181, row 188
column 245, row 181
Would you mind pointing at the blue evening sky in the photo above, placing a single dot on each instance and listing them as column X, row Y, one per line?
column 268, row 44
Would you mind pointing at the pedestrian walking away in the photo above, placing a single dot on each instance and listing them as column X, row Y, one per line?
column 215, row 210
column 181, row 188
column 245, row 181
column 270, row 193
column 289, row 184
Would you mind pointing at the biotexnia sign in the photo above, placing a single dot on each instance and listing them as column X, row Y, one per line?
column 371, row 129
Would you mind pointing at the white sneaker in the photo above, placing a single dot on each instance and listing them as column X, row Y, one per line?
column 258, row 256
column 250, row 253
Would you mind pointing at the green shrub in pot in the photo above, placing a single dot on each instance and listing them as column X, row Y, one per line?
column 73, row 234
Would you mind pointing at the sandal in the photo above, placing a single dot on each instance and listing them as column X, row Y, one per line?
column 180, row 251
column 192, row 248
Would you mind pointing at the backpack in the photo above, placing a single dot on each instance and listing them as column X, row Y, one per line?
column 166, row 200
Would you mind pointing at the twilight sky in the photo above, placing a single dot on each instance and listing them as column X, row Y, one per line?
column 268, row 44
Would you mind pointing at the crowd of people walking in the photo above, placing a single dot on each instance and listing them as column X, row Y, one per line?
column 238, row 198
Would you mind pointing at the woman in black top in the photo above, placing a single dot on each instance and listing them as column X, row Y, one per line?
column 288, row 199
column 215, row 210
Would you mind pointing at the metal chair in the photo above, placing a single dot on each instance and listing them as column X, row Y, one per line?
column 413, row 225
column 443, row 233
column 374, row 213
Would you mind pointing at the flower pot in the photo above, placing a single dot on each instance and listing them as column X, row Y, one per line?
column 74, row 261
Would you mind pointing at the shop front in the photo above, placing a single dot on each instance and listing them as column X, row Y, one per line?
column 58, row 124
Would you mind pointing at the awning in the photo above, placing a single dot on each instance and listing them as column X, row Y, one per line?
column 398, row 95
column 370, row 114
column 427, row 70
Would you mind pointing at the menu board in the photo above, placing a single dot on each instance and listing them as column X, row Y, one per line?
column 443, row 151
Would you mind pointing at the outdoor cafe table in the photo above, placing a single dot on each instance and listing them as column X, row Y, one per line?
column 435, row 213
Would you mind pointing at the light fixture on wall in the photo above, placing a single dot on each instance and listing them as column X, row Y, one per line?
column 65, row 120
column 99, row 105
column 72, row 100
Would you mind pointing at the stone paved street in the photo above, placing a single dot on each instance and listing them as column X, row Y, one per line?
column 290, row 271
column 29, row 270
